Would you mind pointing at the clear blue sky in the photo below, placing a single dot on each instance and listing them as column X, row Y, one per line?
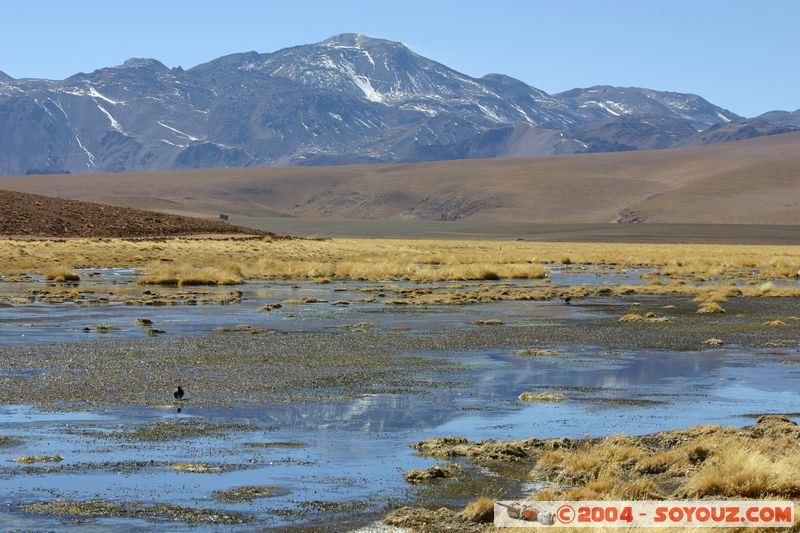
column 742, row 55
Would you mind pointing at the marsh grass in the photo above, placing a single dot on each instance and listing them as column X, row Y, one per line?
column 649, row 318
column 30, row 459
column 135, row 510
column 219, row 261
column 710, row 307
column 480, row 510
column 246, row 494
column 714, row 342
column 61, row 274
column 532, row 397
column 537, row 352
column 195, row 468
column 186, row 275
column 241, row 328
column 434, row 472
column 761, row 461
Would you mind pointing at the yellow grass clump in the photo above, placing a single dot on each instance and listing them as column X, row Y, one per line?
column 481, row 510
column 186, row 275
column 775, row 324
column 710, row 307
column 631, row 317
column 61, row 274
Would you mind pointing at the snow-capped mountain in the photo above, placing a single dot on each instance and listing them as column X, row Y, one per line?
column 347, row 99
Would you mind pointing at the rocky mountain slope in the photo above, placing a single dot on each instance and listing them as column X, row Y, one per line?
column 348, row 99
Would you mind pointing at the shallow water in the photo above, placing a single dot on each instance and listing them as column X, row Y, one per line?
column 358, row 451
column 31, row 323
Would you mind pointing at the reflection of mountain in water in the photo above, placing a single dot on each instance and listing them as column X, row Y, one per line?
column 374, row 413
column 493, row 388
column 620, row 374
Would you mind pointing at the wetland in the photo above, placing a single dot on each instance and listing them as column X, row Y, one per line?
column 314, row 400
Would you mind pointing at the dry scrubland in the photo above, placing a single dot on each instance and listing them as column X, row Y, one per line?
column 216, row 261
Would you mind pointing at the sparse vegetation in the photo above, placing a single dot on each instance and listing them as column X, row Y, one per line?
column 241, row 328
column 106, row 509
column 537, row 352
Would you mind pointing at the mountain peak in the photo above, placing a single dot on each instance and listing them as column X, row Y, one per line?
column 356, row 40
column 5, row 77
column 143, row 63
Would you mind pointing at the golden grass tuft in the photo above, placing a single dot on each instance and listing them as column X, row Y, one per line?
column 739, row 470
column 610, row 488
column 186, row 275
column 606, row 458
column 481, row 510
column 710, row 307
column 631, row 317
column 775, row 324
column 61, row 274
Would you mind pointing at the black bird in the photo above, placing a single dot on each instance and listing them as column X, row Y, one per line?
column 566, row 299
column 178, row 393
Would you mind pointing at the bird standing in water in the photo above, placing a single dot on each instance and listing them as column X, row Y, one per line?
column 178, row 394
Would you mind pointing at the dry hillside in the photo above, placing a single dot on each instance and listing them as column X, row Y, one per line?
column 32, row 215
column 755, row 181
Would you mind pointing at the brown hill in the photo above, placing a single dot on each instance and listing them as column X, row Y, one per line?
column 755, row 181
column 33, row 215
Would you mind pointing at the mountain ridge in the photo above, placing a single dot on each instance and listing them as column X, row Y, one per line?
column 347, row 99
